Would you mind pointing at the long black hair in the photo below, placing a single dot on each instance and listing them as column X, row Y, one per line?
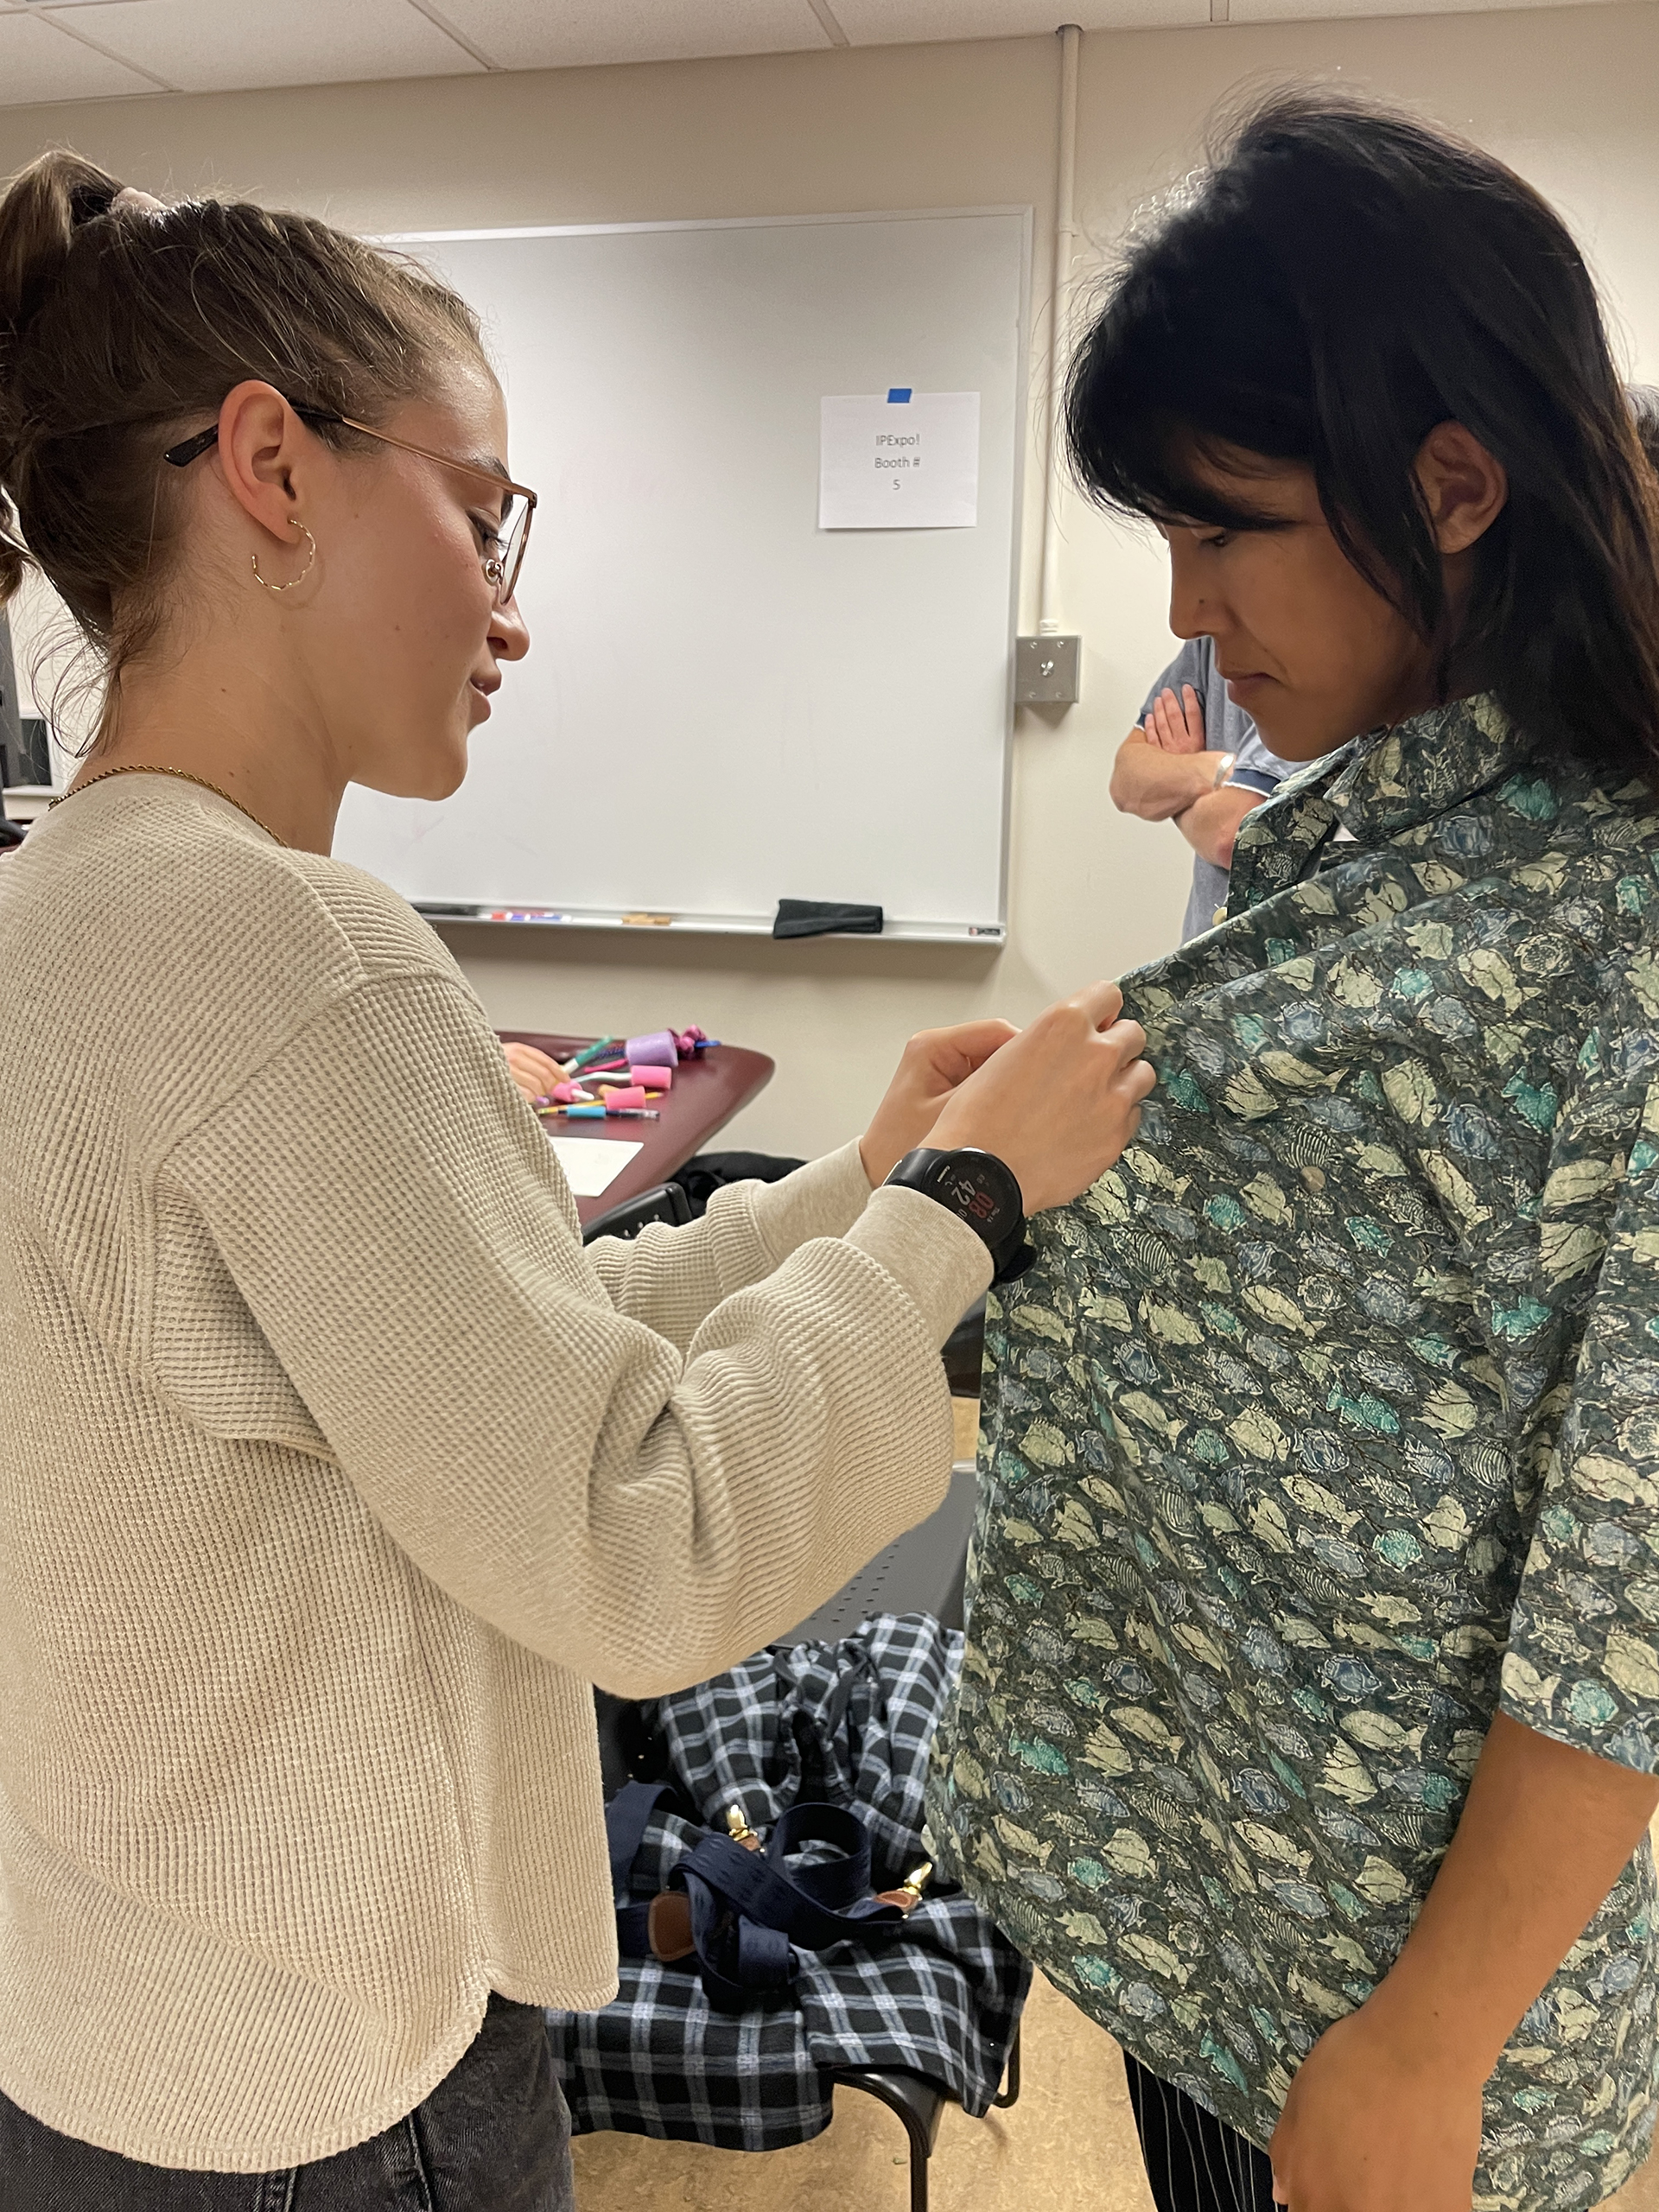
column 1341, row 277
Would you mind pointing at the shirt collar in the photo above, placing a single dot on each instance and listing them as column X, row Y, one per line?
column 1393, row 779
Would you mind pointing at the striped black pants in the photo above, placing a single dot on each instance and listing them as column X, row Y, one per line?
column 1194, row 2162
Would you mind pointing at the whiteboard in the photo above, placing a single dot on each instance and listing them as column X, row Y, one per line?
column 724, row 705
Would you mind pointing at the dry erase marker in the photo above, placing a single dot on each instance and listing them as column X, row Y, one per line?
column 605, row 1048
column 603, row 1113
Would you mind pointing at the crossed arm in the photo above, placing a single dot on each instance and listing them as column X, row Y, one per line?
column 1164, row 773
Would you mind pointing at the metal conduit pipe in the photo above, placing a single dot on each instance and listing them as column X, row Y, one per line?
column 1065, row 233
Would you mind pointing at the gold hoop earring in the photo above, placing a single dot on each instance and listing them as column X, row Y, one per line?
column 294, row 523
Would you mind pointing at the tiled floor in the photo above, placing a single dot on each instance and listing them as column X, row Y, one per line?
column 1068, row 2146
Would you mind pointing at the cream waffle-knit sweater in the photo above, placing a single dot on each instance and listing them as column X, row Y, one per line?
column 334, row 1471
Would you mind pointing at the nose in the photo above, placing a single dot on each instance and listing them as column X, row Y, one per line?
column 509, row 632
column 1190, row 614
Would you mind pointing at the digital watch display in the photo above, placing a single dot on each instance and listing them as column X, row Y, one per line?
column 980, row 1190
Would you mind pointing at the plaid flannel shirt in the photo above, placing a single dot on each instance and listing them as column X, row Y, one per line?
column 852, row 1724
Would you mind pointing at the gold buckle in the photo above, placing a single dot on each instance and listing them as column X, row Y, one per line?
column 737, row 1827
column 908, row 1895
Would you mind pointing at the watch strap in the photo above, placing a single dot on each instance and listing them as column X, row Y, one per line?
column 1010, row 1254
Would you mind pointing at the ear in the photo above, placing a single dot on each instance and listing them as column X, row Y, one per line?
column 1465, row 488
column 265, row 454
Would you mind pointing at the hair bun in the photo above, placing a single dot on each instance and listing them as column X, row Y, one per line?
column 44, row 206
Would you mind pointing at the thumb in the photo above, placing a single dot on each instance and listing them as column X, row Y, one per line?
column 978, row 1040
column 1101, row 1002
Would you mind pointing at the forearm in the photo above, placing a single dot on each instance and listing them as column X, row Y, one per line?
column 1210, row 823
column 1157, row 785
column 673, row 1279
column 1544, row 1833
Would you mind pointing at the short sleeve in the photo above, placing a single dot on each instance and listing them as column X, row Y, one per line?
column 1583, row 1659
column 1187, row 667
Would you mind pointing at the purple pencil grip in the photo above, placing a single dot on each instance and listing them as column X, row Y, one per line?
column 655, row 1050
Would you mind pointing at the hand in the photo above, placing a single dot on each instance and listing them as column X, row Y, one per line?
column 533, row 1072
column 934, row 1062
column 1058, row 1102
column 1377, row 2121
column 1176, row 725
column 1151, row 781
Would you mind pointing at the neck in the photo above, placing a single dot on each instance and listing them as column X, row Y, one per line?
column 241, row 720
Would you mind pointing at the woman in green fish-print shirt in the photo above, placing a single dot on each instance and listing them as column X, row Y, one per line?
column 1308, row 1727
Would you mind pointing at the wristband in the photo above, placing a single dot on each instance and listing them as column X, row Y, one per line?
column 1225, row 768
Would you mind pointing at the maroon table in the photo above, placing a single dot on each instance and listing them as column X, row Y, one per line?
column 707, row 1092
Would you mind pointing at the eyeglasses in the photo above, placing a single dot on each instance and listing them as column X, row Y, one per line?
column 507, row 538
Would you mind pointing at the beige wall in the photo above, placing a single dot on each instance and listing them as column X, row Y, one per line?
column 1571, row 96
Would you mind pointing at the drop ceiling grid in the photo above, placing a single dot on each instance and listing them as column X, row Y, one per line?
column 77, row 49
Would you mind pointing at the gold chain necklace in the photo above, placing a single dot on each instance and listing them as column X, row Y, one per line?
column 184, row 777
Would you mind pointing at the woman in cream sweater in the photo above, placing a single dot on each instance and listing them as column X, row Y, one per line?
column 333, row 1470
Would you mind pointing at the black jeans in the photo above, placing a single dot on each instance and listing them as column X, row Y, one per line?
column 493, row 2136
column 1195, row 2162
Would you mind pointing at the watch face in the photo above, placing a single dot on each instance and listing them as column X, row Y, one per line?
column 976, row 1189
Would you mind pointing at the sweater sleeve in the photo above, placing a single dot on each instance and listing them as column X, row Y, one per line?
column 637, row 1513
column 672, row 1279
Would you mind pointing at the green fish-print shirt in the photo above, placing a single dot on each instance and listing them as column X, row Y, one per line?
column 1326, row 1426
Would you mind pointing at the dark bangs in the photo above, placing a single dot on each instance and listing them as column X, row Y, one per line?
column 1342, row 279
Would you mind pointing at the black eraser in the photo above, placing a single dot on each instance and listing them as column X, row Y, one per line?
column 824, row 918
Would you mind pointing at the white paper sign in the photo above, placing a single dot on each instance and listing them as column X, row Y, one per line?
column 901, row 460
column 591, row 1165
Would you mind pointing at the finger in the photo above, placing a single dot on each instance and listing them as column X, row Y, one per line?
column 1193, row 708
column 1138, row 1081
column 954, row 1053
column 1127, row 1041
column 1100, row 1003
column 980, row 1038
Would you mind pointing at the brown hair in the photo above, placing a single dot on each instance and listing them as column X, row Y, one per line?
column 122, row 324
column 1644, row 406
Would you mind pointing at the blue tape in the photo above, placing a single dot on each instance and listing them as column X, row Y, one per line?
column 898, row 396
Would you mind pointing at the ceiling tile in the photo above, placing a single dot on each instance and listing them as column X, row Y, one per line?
column 39, row 62
column 1286, row 11
column 905, row 23
column 569, row 33
column 206, row 46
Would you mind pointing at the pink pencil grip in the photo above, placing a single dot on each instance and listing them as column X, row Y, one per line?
column 616, row 1100
column 653, row 1078
column 655, row 1050
column 570, row 1093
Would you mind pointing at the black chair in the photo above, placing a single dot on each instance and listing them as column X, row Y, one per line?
column 668, row 1202
column 922, row 1572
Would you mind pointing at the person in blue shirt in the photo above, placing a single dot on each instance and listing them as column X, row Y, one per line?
column 1197, row 760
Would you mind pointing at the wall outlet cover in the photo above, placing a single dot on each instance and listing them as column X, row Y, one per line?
column 1047, row 671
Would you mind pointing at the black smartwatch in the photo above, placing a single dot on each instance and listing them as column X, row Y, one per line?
column 978, row 1189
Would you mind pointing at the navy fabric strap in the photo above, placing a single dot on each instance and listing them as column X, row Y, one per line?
column 626, row 1818
column 747, row 1910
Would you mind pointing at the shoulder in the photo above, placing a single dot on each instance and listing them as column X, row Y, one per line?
column 1193, row 664
column 159, row 911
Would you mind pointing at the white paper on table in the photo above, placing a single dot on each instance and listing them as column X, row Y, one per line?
column 886, row 463
column 591, row 1165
